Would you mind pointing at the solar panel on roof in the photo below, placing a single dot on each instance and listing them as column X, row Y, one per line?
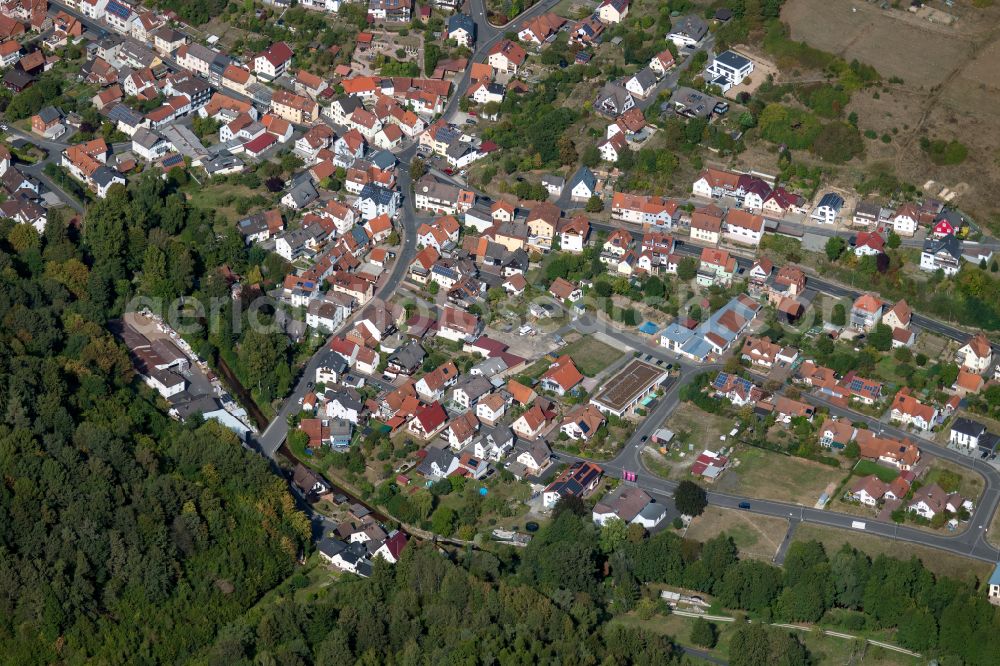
column 720, row 380
column 118, row 9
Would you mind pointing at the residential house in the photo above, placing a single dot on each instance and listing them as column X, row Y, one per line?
column 582, row 185
column 462, row 29
column 294, row 108
column 967, row 434
column 706, row 225
column 612, row 11
column 507, row 56
column 582, row 422
column 828, row 209
column 561, row 377
column 491, row 408
column 573, row 234
column 543, row 220
column 941, row 254
column 869, row 244
column 907, row 410
column 428, row 420
column 613, row 100
column 462, row 430
column 931, row 500
column 869, row 490
column 273, row 61
column 715, row 183
column 578, row 480
column 642, row 83
column 645, row 209
column 866, row 312
column 688, row 32
column 766, row 354
column 906, row 220
column 540, row 29
column 744, row 227
column 836, row 433
column 531, row 424
column 976, row 355
column 715, row 267
column 728, row 69
column 662, row 62
column 900, row 454
column 458, row 325
column 630, row 505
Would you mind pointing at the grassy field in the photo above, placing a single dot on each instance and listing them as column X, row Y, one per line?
column 773, row 476
column 693, row 426
column 757, row 537
column 937, row 561
column 866, row 467
column 221, row 198
column 590, row 354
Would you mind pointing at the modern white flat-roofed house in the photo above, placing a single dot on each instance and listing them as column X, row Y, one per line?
column 729, row 69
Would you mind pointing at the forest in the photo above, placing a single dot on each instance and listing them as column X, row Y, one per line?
column 560, row 601
column 127, row 537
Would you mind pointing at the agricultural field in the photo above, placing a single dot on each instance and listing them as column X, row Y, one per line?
column 757, row 537
column 769, row 475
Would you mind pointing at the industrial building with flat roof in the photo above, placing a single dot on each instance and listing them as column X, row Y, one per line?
column 623, row 392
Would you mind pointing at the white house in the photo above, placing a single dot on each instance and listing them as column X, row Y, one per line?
column 582, row 185
column 828, row 208
column 642, row 83
column 729, row 69
column 976, row 355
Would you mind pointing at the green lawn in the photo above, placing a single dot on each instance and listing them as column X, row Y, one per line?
column 866, row 467
column 591, row 355
column 773, row 476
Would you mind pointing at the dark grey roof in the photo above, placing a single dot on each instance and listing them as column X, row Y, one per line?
column 463, row 22
column 692, row 26
column 360, row 235
column 330, row 547
column 349, row 104
column 200, row 405
column 383, row 159
column 303, row 193
column 104, row 176
column 146, row 138
column 968, row 427
column 948, row 244
column 377, row 193
column 475, row 386
column 223, row 160
column 410, row 355
column 583, row 175
column 831, row 200
column 346, row 400
column 646, row 77
column 121, row 113
column 49, row 114
column 442, row 457
column 732, row 59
